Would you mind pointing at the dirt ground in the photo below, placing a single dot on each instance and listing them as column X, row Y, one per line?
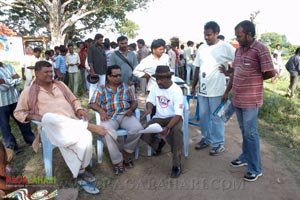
column 206, row 177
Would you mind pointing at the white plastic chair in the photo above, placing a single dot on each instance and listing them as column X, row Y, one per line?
column 47, row 147
column 120, row 132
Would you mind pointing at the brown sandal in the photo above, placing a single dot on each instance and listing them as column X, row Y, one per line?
column 118, row 168
column 129, row 163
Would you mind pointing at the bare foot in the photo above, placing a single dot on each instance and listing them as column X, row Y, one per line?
column 100, row 130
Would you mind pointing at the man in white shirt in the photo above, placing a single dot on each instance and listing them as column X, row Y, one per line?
column 148, row 65
column 168, row 98
column 210, row 56
column 29, row 63
column 72, row 61
column 189, row 57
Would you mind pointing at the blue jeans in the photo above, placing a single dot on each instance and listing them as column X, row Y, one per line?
column 8, row 137
column 212, row 127
column 247, row 118
column 189, row 69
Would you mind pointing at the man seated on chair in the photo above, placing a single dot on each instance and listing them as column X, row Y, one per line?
column 116, row 102
column 53, row 104
column 168, row 99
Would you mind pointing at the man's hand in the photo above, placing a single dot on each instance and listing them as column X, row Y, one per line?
column 222, row 69
column 165, row 131
column 128, row 112
column 104, row 116
column 35, row 117
column 224, row 97
column 147, row 112
column 82, row 113
column 147, row 76
column 16, row 76
column 193, row 91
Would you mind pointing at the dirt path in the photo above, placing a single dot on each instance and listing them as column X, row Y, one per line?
column 205, row 177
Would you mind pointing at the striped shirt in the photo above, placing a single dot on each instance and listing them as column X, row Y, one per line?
column 249, row 66
column 114, row 103
column 9, row 92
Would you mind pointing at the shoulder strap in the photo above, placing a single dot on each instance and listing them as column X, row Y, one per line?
column 123, row 58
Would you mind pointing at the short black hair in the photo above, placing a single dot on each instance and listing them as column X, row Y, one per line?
column 213, row 26
column 40, row 64
column 98, row 36
column 113, row 45
column 190, row 43
column 110, row 68
column 121, row 38
column 48, row 52
column 106, row 43
column 221, row 37
column 141, row 41
column 248, row 27
column 37, row 49
column 157, row 43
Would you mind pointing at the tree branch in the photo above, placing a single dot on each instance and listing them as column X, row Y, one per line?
column 71, row 21
column 5, row 3
column 47, row 4
column 63, row 6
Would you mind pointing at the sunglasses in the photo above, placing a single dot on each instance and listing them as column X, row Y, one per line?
column 116, row 75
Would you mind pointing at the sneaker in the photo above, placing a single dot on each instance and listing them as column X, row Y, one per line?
column 216, row 150
column 201, row 145
column 251, row 177
column 238, row 163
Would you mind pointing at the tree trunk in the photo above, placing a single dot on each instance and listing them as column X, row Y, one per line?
column 57, row 38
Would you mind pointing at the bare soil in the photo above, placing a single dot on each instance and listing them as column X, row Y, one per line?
column 204, row 177
column 207, row 177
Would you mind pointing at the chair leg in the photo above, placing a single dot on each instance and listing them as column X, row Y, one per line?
column 149, row 150
column 47, row 154
column 99, row 149
column 47, row 158
column 137, row 150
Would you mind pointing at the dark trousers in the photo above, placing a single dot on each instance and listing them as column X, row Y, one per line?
column 293, row 84
column 174, row 138
column 8, row 137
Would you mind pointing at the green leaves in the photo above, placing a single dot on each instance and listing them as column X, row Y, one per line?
column 37, row 17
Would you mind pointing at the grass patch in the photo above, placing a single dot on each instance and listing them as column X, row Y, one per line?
column 279, row 121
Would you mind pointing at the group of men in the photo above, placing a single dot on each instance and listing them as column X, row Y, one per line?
column 251, row 63
column 53, row 104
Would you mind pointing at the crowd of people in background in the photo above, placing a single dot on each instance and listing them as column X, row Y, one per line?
column 72, row 63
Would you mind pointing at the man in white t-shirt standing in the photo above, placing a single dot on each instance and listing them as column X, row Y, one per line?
column 148, row 65
column 168, row 99
column 212, row 84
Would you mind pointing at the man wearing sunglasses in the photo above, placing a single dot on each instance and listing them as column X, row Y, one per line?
column 116, row 102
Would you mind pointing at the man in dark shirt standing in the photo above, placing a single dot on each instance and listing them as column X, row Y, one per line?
column 97, row 62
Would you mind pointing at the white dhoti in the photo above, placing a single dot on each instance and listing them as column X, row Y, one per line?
column 71, row 137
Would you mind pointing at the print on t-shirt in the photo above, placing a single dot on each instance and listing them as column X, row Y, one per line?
column 163, row 101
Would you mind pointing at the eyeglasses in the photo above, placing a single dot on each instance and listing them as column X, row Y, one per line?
column 116, row 75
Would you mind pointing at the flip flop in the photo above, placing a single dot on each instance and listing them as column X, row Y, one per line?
column 87, row 176
column 89, row 187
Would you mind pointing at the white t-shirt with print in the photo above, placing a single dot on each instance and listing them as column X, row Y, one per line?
column 168, row 102
column 212, row 82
